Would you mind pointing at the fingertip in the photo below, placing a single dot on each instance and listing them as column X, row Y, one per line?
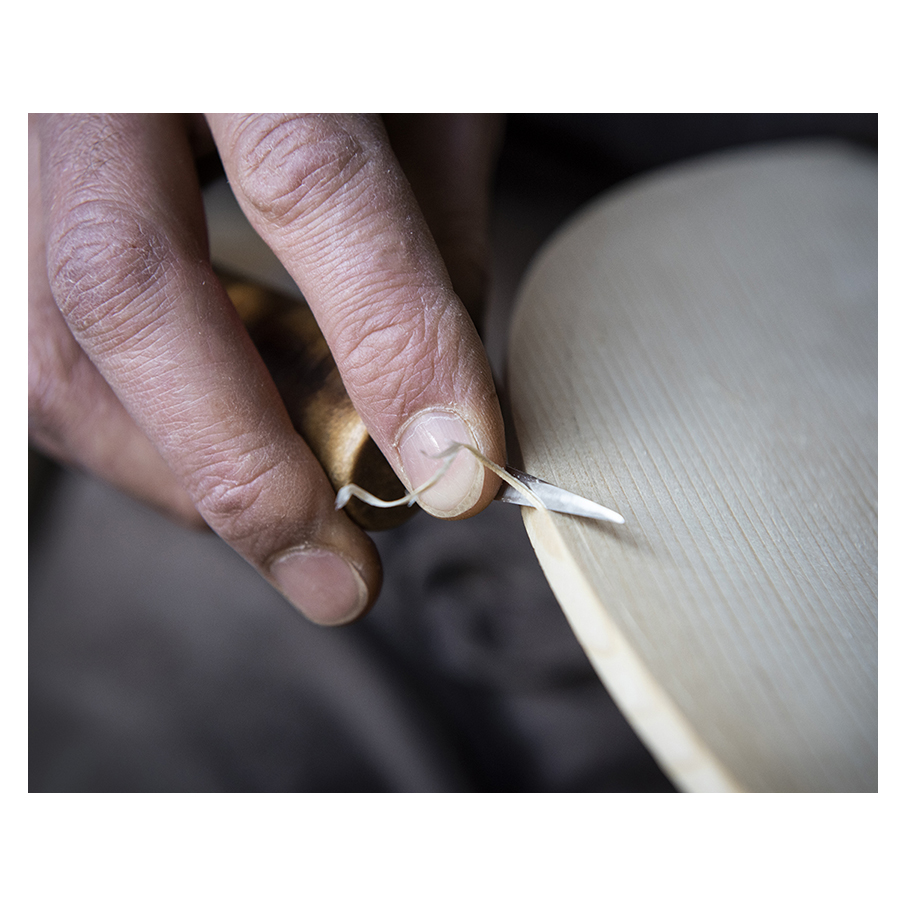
column 322, row 584
column 463, row 485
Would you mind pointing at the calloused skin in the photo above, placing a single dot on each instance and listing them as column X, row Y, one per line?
column 141, row 373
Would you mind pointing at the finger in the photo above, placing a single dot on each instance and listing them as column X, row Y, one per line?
column 330, row 199
column 129, row 271
column 449, row 161
column 73, row 415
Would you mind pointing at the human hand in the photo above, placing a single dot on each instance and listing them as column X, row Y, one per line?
column 141, row 372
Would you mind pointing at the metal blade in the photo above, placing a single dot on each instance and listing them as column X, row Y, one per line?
column 554, row 498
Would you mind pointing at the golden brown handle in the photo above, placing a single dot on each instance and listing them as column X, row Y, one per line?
column 300, row 362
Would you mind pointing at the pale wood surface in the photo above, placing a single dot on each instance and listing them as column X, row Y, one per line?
column 698, row 351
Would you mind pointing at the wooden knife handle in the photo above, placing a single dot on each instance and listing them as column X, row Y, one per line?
column 300, row 362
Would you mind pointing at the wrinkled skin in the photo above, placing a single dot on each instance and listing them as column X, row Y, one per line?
column 141, row 372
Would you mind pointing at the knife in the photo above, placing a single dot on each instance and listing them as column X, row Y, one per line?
column 293, row 348
column 558, row 499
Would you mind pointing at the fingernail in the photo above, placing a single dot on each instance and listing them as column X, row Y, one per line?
column 321, row 584
column 427, row 435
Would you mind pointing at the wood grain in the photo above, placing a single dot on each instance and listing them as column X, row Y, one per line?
column 697, row 350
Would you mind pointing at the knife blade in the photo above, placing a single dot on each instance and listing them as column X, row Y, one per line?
column 554, row 498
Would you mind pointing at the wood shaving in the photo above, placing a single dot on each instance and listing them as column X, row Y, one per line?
column 354, row 491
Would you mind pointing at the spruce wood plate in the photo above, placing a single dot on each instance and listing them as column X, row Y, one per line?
column 698, row 350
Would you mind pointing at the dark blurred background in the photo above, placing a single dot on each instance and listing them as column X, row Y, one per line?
column 160, row 661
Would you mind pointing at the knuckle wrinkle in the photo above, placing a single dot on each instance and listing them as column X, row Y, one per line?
column 229, row 504
column 287, row 166
column 101, row 259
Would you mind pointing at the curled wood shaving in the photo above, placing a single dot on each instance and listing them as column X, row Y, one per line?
column 354, row 491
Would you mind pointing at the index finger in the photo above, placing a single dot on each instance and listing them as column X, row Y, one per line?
column 328, row 196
